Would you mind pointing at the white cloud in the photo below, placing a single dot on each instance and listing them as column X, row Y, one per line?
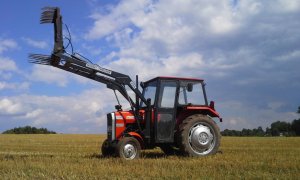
column 285, row 6
column 275, row 105
column 171, row 66
column 221, row 24
column 163, row 34
column 91, row 49
column 5, row 75
column 7, row 64
column 293, row 55
column 49, row 74
column 117, row 19
column 34, row 114
column 122, row 37
column 53, row 75
column 235, row 122
column 8, row 68
column 250, row 8
column 35, row 43
column 7, row 44
column 14, row 86
column 9, row 107
column 220, row 54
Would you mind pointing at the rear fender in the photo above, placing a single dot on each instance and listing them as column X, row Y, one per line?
column 190, row 110
column 210, row 111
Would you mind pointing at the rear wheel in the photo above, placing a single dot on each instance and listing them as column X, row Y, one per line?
column 199, row 136
column 129, row 148
column 107, row 149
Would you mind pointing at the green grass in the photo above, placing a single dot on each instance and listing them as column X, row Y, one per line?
column 78, row 157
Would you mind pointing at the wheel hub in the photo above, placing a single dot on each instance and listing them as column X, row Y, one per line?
column 129, row 151
column 201, row 139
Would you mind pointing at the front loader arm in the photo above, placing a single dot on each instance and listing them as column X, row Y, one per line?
column 84, row 69
column 71, row 63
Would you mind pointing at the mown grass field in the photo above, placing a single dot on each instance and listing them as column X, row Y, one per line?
column 78, row 157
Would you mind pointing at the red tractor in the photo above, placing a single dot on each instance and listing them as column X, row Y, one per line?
column 171, row 113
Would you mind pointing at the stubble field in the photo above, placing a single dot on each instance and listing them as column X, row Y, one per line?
column 78, row 157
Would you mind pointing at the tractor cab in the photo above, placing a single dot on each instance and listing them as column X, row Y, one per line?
column 173, row 99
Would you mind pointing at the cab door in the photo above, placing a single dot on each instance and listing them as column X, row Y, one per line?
column 166, row 111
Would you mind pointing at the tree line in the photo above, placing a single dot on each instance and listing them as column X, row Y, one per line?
column 28, row 130
column 278, row 128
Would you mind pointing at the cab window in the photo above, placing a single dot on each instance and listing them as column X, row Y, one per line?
column 149, row 92
column 194, row 97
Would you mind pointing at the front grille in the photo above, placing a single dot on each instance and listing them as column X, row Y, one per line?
column 111, row 126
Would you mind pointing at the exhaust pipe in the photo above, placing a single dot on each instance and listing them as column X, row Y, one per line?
column 51, row 15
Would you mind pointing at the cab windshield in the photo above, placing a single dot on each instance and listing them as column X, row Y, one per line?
column 149, row 92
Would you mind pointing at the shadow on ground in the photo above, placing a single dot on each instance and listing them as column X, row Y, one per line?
column 146, row 155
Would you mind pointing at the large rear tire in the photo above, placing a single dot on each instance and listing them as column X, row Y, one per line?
column 129, row 148
column 106, row 149
column 199, row 135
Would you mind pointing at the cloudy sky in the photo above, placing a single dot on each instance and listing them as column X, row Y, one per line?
column 247, row 51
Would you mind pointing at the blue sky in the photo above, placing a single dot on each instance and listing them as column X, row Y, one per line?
column 247, row 51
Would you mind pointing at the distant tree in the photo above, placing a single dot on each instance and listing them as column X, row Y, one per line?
column 296, row 127
column 246, row 132
column 260, row 131
column 236, row 133
column 28, row 130
column 268, row 131
column 280, row 127
column 298, row 110
column 277, row 128
column 226, row 132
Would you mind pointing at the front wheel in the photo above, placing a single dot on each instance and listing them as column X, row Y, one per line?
column 106, row 149
column 199, row 136
column 129, row 148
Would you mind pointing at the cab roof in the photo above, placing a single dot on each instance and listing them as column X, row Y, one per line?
column 175, row 78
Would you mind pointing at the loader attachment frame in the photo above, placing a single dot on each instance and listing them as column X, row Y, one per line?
column 52, row 15
column 61, row 59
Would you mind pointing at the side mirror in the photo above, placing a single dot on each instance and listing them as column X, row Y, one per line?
column 189, row 87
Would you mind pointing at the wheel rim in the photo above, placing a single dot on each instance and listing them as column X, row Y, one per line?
column 129, row 151
column 201, row 138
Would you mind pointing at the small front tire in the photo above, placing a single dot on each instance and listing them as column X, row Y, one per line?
column 129, row 148
column 106, row 149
